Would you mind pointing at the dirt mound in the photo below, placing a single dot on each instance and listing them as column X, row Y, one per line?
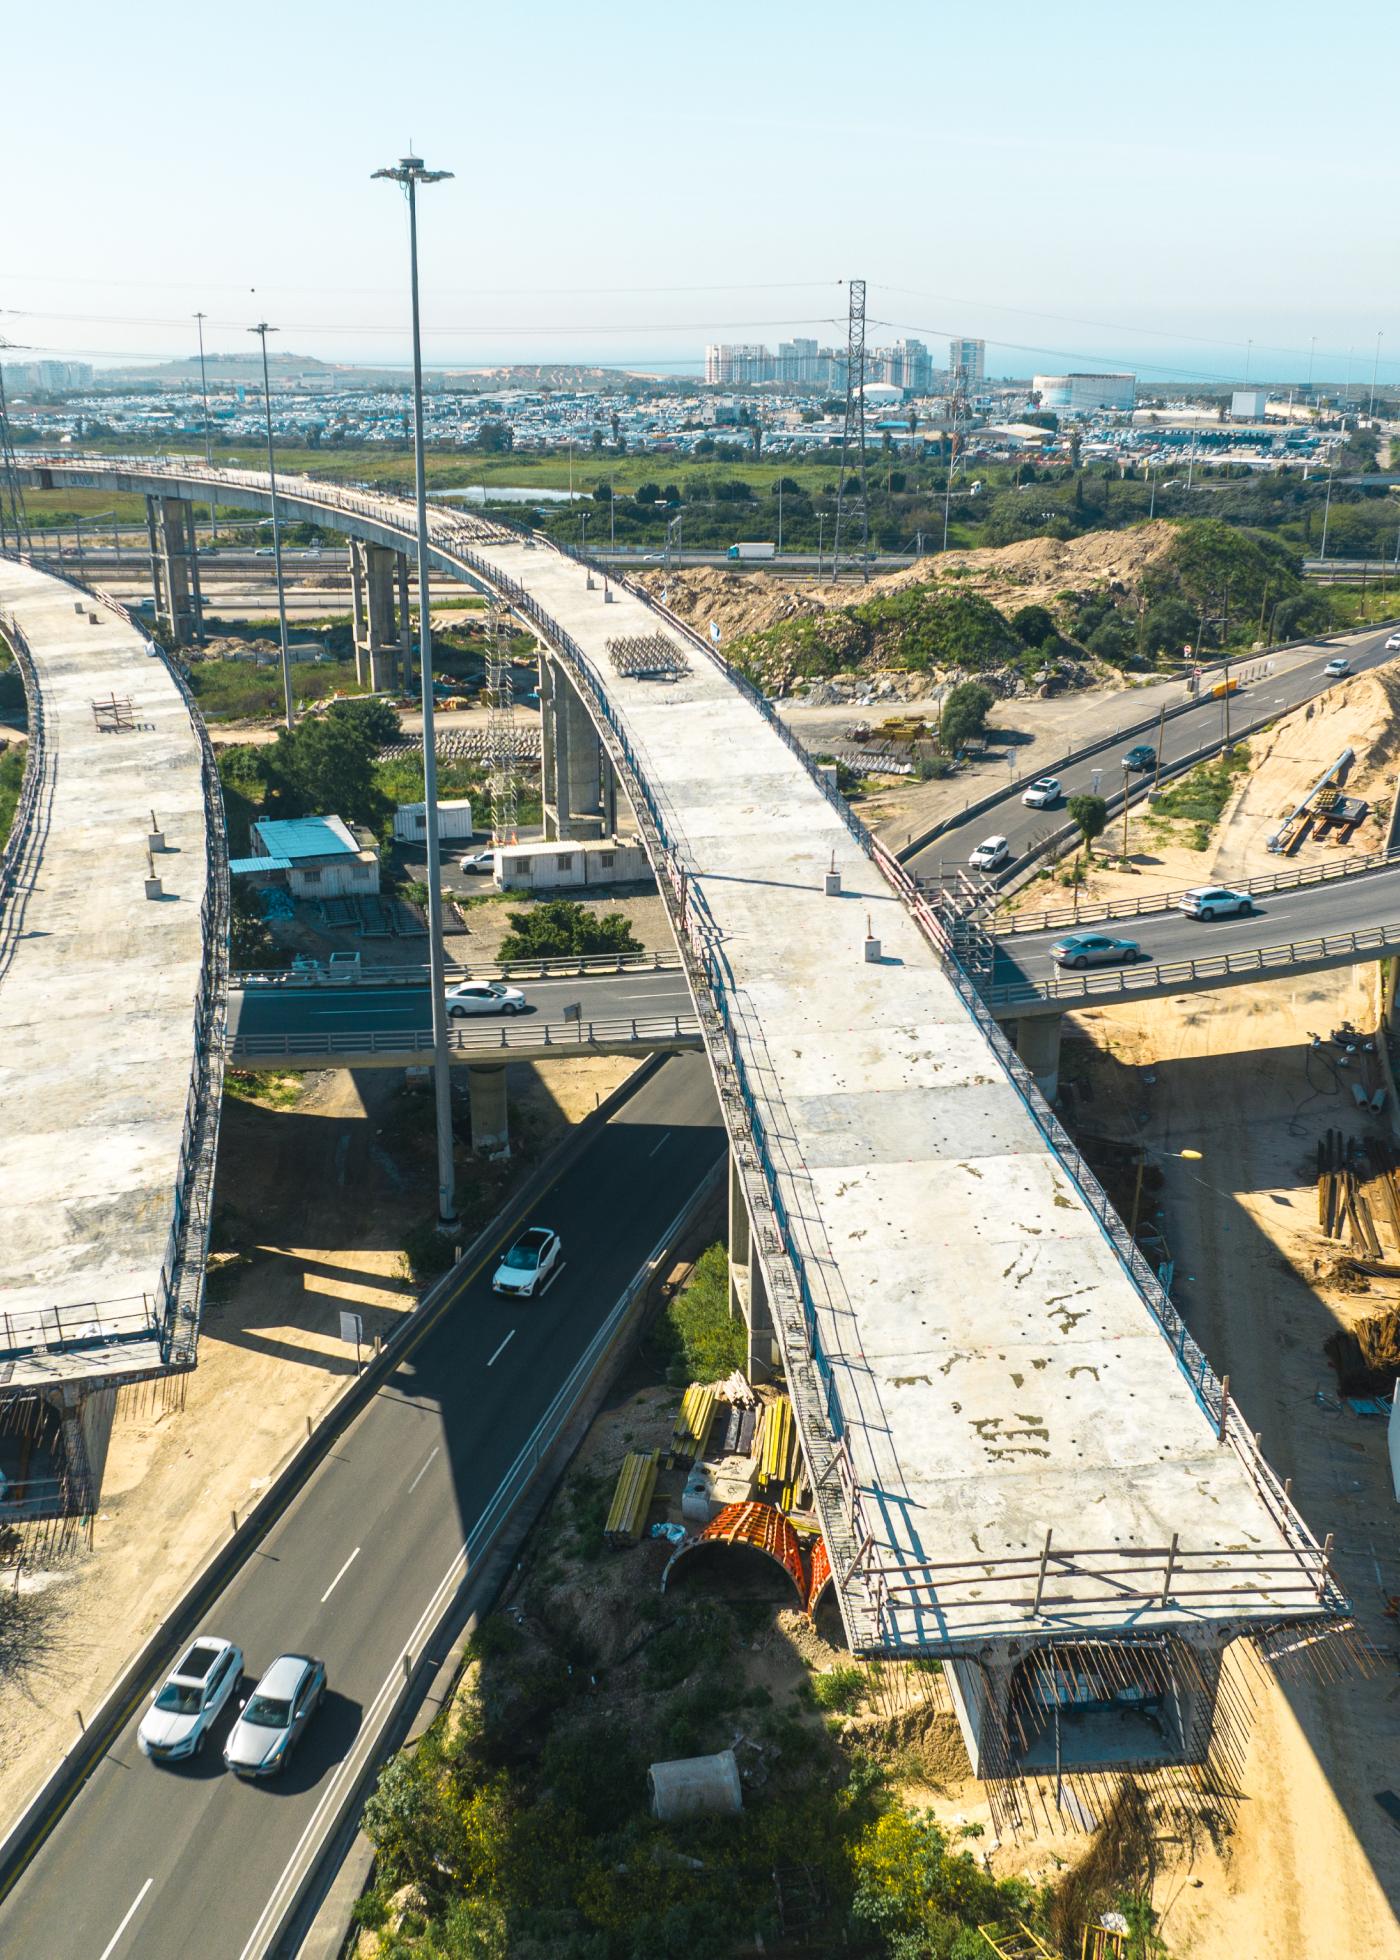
column 922, row 1740
column 1033, row 572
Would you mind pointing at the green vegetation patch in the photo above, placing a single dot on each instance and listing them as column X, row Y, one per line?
column 1201, row 795
column 559, row 928
column 11, row 783
column 917, row 628
column 697, row 1338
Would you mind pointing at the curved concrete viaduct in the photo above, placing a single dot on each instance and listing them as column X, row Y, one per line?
column 1015, row 1445
column 113, row 974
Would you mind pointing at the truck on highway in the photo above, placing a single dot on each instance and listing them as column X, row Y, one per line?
column 747, row 553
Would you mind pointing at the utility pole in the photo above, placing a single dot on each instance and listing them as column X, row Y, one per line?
column 855, row 500
column 780, row 517
column 208, row 453
column 1125, row 811
column 262, row 330
column 1161, row 730
column 410, row 173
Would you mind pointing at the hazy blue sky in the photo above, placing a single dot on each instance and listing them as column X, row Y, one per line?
column 1079, row 182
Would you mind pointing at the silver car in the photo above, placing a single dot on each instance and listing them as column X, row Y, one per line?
column 1095, row 949
column 272, row 1720
column 178, row 1721
column 484, row 997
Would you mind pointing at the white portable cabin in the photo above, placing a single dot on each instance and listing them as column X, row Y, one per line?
column 454, row 821
column 561, row 865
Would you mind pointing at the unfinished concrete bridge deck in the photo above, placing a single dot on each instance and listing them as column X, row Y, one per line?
column 98, row 1130
column 1014, row 1440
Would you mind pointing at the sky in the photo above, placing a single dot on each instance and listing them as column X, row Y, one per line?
column 1201, row 191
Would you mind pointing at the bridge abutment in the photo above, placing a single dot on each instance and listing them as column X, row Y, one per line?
column 1038, row 1045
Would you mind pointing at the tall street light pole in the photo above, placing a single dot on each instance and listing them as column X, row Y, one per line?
column 262, row 330
column 410, row 173
column 208, row 453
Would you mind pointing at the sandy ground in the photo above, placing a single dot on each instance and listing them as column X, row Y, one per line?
column 1313, row 1867
column 318, row 1201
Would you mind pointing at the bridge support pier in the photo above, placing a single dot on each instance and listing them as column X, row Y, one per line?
column 748, row 1296
column 579, row 792
column 372, row 607
column 486, row 1082
column 405, row 623
column 1038, row 1045
column 175, row 568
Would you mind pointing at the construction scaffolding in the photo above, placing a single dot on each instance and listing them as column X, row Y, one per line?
column 501, row 752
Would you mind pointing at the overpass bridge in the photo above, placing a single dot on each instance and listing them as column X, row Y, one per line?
column 106, row 1158
column 1022, row 1462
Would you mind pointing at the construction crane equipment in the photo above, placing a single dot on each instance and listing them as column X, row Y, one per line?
column 500, row 730
column 852, row 505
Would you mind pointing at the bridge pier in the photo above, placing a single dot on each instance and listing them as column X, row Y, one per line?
column 405, row 623
column 1038, row 1045
column 377, row 640
column 748, row 1296
column 175, row 568
column 486, row 1082
column 579, row 789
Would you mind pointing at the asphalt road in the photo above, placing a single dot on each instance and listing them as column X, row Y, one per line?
column 1278, row 919
column 362, row 1008
column 162, row 1864
column 1297, row 677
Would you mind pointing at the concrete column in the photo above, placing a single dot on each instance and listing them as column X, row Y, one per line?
column 585, row 760
column 609, row 794
column 405, row 623
column 490, row 1115
column 196, row 595
column 357, row 607
column 549, row 761
column 748, row 1293
column 1038, row 1045
column 151, row 503
column 174, row 543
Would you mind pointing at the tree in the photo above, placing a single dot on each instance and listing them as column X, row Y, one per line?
column 1169, row 626
column 326, row 766
column 495, row 438
column 560, row 928
column 964, row 716
column 1111, row 640
column 251, row 946
column 647, row 493
column 376, row 720
column 1090, row 814
column 602, row 493
column 1034, row 625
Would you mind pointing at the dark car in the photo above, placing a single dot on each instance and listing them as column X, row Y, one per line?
column 1141, row 756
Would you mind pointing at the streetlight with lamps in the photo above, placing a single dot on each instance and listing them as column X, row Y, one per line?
column 409, row 172
column 262, row 330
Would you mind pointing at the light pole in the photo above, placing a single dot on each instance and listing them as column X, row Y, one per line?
column 410, row 173
column 262, row 330
column 208, row 454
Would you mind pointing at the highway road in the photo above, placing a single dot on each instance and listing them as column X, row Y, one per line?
column 1296, row 678
column 162, row 1864
column 267, row 1014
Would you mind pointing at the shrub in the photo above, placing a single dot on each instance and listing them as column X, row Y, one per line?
column 696, row 1336
column 839, row 1690
column 560, row 928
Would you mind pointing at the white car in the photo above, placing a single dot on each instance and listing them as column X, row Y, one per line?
column 476, row 861
column 484, row 997
column 990, row 853
column 1043, row 793
column 273, row 1719
column 1335, row 669
column 185, row 1705
column 1392, row 645
column 531, row 1264
column 1216, row 902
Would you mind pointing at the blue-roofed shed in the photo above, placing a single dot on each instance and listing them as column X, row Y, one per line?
column 318, row 857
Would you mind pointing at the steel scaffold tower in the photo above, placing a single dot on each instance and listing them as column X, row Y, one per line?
column 500, row 730
column 14, row 519
column 851, row 497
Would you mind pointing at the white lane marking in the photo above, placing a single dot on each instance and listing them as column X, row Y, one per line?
column 111, row 1945
column 501, row 1349
column 424, row 1471
column 340, row 1575
column 665, row 1139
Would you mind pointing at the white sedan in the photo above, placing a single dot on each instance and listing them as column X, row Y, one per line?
column 484, row 997
column 1392, row 645
column 180, row 1717
column 1043, row 793
column 530, row 1265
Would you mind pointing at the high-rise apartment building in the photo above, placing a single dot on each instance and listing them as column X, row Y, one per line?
column 726, row 364
column 967, row 362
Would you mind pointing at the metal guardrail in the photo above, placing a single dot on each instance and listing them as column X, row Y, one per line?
column 20, row 857
column 84, row 1324
column 501, row 1038
column 849, row 1537
column 588, row 966
column 1375, row 942
column 1152, row 902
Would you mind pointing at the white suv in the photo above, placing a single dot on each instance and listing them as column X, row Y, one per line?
column 181, row 1715
column 990, row 854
